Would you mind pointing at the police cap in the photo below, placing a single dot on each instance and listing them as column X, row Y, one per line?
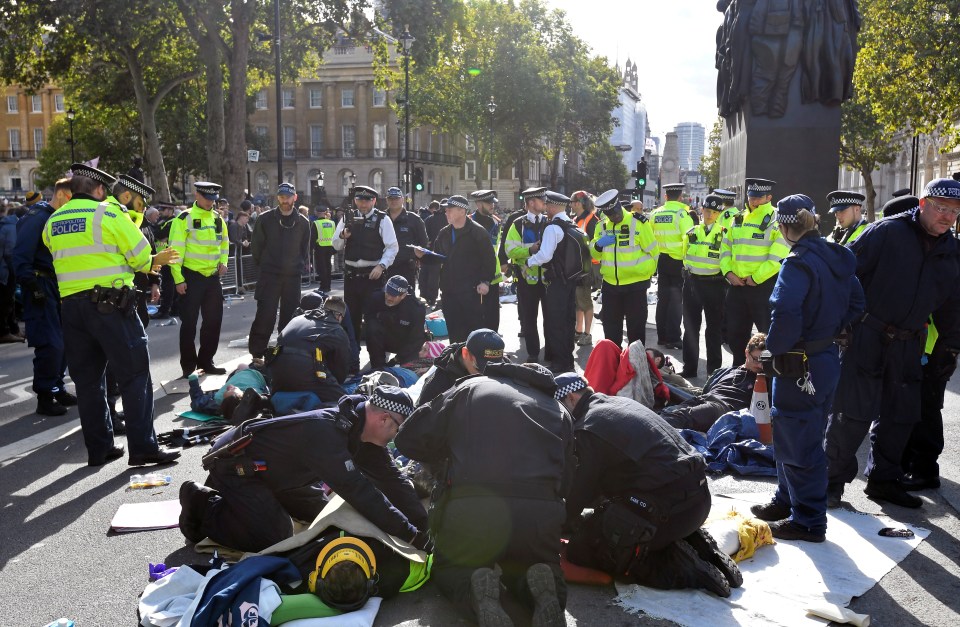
column 759, row 187
column 210, row 191
column 840, row 200
column 135, row 186
column 86, row 171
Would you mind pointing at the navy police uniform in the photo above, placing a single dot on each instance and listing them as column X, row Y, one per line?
column 313, row 355
column 410, row 229
column 397, row 329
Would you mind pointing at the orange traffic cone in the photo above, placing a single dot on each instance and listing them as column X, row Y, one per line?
column 760, row 408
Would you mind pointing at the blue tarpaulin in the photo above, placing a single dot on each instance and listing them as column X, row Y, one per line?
column 732, row 443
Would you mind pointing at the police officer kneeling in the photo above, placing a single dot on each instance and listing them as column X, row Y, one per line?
column 266, row 472
column 655, row 496
column 395, row 321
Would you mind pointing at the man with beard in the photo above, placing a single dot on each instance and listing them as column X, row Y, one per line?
column 410, row 230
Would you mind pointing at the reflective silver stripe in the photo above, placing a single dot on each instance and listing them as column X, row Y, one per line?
column 775, row 257
column 752, row 257
column 699, row 259
column 92, row 274
column 725, row 254
column 204, row 256
column 96, row 227
column 746, row 241
column 91, row 249
column 703, row 271
column 131, row 254
column 620, row 263
column 178, row 242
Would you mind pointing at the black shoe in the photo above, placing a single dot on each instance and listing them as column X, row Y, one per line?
column 193, row 503
column 789, row 530
column 114, row 453
column 212, row 369
column 774, row 510
column 672, row 345
column 699, row 573
column 485, row 598
column 707, row 549
column 543, row 588
column 119, row 424
column 161, row 456
column 65, row 398
column 913, row 482
column 688, row 375
column 892, row 492
column 47, row 405
column 834, row 495
column 250, row 406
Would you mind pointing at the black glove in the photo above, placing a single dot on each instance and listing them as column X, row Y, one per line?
column 421, row 540
column 943, row 361
column 37, row 295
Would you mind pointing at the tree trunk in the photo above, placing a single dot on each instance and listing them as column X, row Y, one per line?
column 153, row 157
column 871, row 193
column 235, row 116
column 520, row 175
column 215, row 147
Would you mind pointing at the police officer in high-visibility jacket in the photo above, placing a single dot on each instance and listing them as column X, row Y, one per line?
column 486, row 216
column 750, row 257
column 96, row 250
column 522, row 234
column 627, row 250
column 729, row 209
column 704, row 289
column 323, row 247
column 199, row 235
column 670, row 223
column 847, row 208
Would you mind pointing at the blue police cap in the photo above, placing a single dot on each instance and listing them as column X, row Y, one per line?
column 556, row 198
column 394, row 192
column 568, row 383
column 789, row 207
column 840, row 200
column 714, row 202
column 759, row 187
column 286, row 189
column 942, row 188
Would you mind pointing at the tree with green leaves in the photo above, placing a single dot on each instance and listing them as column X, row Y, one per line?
column 603, row 168
column 710, row 160
column 865, row 145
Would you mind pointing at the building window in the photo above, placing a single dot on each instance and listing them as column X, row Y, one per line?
column 430, row 141
column 13, row 104
column 263, row 182
column 289, row 141
column 316, row 140
column 379, row 97
column 36, row 103
column 468, row 144
column 38, row 139
column 430, row 182
column 58, row 103
column 379, row 141
column 416, row 140
column 261, row 131
column 15, row 182
column 376, row 181
column 289, row 177
column 470, row 170
column 345, row 183
column 261, row 99
column 286, row 96
column 349, row 140
column 13, row 135
column 346, row 97
column 316, row 98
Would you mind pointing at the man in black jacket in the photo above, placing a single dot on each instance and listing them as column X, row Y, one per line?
column 653, row 494
column 280, row 246
column 283, row 473
column 506, row 447
column 468, row 268
column 395, row 321
column 410, row 230
column 459, row 360
column 430, row 273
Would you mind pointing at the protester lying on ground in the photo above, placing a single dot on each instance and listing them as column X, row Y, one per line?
column 458, row 360
column 424, row 361
column 727, row 389
column 222, row 402
column 653, row 495
column 668, row 373
column 268, row 472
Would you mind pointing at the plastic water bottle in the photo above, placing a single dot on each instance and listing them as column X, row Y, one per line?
column 62, row 622
column 151, row 480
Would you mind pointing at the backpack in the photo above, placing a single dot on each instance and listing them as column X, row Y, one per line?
column 572, row 260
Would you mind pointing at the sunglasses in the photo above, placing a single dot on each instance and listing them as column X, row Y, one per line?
column 358, row 197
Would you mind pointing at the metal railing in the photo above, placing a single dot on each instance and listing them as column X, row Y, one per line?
column 14, row 155
column 389, row 154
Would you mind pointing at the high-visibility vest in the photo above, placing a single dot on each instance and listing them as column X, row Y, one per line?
column 753, row 246
column 670, row 223
column 632, row 257
column 582, row 225
column 325, row 229
column 94, row 243
column 518, row 251
column 850, row 235
column 702, row 250
column 725, row 219
column 495, row 242
column 200, row 237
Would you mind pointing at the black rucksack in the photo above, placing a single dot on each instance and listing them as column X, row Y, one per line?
column 571, row 261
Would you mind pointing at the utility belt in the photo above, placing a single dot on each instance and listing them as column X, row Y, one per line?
column 795, row 363
column 110, row 299
column 890, row 332
column 320, row 368
column 45, row 274
column 539, row 491
column 355, row 272
column 706, row 278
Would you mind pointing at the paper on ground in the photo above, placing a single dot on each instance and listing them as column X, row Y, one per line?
column 146, row 516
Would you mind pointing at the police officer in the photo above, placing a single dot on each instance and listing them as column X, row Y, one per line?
column 313, row 351
column 323, row 247
column 251, row 498
column 729, row 209
column 750, row 257
column 559, row 303
column 410, row 230
column 627, row 250
column 134, row 196
column 485, row 216
column 459, row 360
column 506, row 450
column 847, row 207
column 522, row 234
column 670, row 223
column 96, row 250
column 395, row 320
column 33, row 267
column 281, row 248
column 704, row 290
column 370, row 246
column 653, row 494
column 817, row 295
column 468, row 267
column 199, row 235
column 880, row 372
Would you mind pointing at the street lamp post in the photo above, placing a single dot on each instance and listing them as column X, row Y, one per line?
column 491, row 108
column 276, row 72
column 70, row 115
column 406, row 39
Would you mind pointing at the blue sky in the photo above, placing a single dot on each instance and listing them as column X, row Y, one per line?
column 672, row 41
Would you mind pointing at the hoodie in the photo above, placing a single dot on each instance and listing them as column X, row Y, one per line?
column 817, row 294
column 449, row 368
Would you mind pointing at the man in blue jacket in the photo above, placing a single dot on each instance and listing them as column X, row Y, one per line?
column 880, row 372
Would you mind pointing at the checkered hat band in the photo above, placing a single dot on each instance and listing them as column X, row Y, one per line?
column 570, row 388
column 724, row 194
column 487, row 196
column 137, row 188
column 96, row 175
column 943, row 192
column 788, row 218
column 458, row 203
column 390, row 405
column 759, row 188
column 541, row 194
column 845, row 200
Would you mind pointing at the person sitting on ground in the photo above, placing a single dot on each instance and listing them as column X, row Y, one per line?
column 668, row 372
column 223, row 401
column 727, row 389
column 269, row 472
column 425, row 358
column 652, row 492
column 461, row 359
column 395, row 323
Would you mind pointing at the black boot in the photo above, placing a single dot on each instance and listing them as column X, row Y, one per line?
column 249, row 407
column 707, row 549
column 119, row 423
column 678, row 566
column 65, row 398
column 47, row 405
column 193, row 504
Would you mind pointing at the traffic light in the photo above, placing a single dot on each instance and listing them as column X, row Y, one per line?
column 418, row 179
column 641, row 175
